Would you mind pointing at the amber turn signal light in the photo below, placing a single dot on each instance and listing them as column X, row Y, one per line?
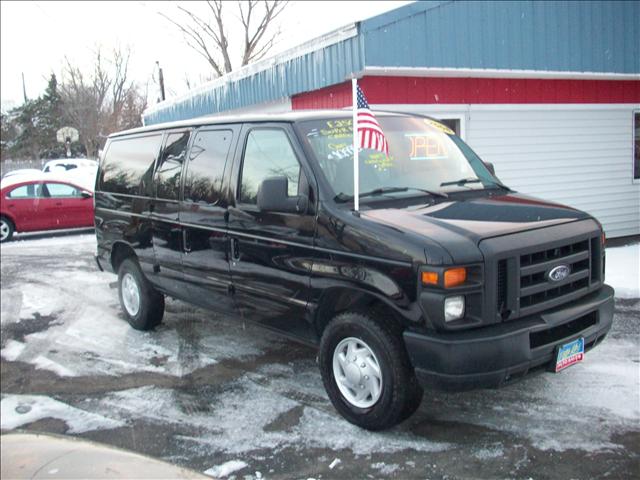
column 430, row 278
column 454, row 277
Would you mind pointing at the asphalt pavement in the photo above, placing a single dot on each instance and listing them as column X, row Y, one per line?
column 217, row 395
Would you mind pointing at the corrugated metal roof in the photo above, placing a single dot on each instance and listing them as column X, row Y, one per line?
column 558, row 36
column 586, row 36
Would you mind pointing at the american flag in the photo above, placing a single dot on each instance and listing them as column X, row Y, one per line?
column 369, row 130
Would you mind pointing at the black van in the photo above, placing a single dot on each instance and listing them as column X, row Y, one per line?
column 444, row 278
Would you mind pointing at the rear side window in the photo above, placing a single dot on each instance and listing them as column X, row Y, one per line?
column 33, row 190
column 268, row 154
column 205, row 170
column 170, row 166
column 128, row 164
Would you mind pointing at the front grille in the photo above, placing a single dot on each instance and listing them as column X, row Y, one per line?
column 501, row 291
column 537, row 290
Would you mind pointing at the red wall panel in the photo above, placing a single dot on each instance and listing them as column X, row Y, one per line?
column 409, row 90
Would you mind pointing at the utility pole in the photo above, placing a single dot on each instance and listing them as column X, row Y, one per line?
column 24, row 89
column 161, row 80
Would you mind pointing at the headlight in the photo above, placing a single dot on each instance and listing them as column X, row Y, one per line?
column 453, row 308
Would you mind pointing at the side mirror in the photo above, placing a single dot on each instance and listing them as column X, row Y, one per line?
column 86, row 194
column 490, row 167
column 272, row 197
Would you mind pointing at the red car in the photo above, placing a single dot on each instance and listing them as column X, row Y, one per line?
column 32, row 204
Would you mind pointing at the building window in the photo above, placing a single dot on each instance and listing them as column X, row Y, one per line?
column 636, row 145
column 452, row 123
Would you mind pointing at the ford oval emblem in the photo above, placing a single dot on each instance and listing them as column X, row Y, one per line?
column 559, row 273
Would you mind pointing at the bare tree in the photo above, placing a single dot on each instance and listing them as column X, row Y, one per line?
column 209, row 38
column 103, row 102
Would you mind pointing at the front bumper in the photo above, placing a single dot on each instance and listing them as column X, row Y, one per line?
column 491, row 356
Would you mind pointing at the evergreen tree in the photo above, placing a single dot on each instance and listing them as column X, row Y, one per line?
column 37, row 122
column 8, row 135
column 50, row 120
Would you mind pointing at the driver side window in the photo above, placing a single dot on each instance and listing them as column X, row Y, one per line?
column 268, row 153
column 60, row 190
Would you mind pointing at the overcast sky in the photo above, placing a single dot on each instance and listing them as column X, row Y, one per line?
column 36, row 36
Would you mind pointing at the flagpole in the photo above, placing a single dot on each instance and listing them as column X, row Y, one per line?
column 356, row 143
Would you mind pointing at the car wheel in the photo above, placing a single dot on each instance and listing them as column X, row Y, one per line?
column 141, row 303
column 6, row 229
column 367, row 373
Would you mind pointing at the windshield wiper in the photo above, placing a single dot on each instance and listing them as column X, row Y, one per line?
column 461, row 182
column 501, row 186
column 341, row 197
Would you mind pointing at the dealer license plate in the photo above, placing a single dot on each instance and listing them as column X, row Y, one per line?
column 570, row 354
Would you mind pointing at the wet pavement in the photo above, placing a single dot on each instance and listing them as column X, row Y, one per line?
column 202, row 390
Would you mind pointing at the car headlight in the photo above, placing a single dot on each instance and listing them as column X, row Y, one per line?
column 453, row 308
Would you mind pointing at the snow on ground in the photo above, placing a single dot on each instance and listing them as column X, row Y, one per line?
column 64, row 238
column 94, row 338
column 226, row 469
column 216, row 426
column 596, row 398
column 18, row 410
column 623, row 270
column 65, row 318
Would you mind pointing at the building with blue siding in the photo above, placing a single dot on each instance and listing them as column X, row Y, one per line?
column 547, row 91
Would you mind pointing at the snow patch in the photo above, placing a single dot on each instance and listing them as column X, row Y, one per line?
column 215, row 425
column 94, row 340
column 385, row 468
column 18, row 410
column 622, row 270
column 601, row 392
column 42, row 362
column 12, row 350
column 75, row 242
column 495, row 451
column 226, row 469
column 34, row 302
column 337, row 434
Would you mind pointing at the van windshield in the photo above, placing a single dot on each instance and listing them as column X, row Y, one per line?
column 423, row 155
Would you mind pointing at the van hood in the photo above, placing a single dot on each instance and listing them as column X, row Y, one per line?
column 460, row 224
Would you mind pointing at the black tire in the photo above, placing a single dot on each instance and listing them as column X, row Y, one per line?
column 151, row 302
column 401, row 394
column 7, row 228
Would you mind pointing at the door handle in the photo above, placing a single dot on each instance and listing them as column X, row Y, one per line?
column 58, row 204
column 185, row 241
column 235, row 249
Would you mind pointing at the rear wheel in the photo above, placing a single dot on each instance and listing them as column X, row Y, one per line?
column 367, row 373
column 142, row 304
column 6, row 229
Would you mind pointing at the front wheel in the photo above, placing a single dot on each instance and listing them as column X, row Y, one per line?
column 6, row 229
column 142, row 304
column 367, row 373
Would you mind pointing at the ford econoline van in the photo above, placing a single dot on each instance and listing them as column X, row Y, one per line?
column 444, row 278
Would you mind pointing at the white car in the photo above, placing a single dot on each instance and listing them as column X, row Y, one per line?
column 80, row 170
column 21, row 171
column 67, row 164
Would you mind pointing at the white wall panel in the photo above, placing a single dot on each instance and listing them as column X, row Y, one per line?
column 570, row 154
